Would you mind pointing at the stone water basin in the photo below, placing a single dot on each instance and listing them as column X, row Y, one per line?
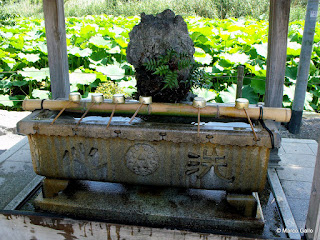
column 224, row 156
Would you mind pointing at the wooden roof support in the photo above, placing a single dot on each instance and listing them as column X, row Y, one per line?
column 277, row 51
column 57, row 47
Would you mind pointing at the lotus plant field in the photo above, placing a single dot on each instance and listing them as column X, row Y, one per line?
column 97, row 53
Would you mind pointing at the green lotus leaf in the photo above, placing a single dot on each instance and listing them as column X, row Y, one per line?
column 262, row 49
column 258, row 86
column 30, row 57
column 80, row 52
column 42, row 94
column 115, row 72
column 35, row 74
column 100, row 42
column 82, row 78
column 19, row 83
column 202, row 57
column 6, row 101
column 249, row 93
column 241, row 58
column 229, row 96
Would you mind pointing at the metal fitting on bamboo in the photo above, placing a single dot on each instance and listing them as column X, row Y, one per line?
column 73, row 97
column 118, row 98
column 95, row 98
column 199, row 102
column 143, row 100
column 243, row 103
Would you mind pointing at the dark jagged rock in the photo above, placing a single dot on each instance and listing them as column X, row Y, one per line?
column 151, row 38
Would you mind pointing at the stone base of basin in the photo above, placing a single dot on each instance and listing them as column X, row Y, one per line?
column 189, row 209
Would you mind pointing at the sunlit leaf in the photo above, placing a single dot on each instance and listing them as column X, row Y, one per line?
column 128, row 87
column 35, row 74
column 6, row 101
column 115, row 49
column 293, row 48
column 307, row 101
column 99, row 41
column 262, row 49
column 236, row 57
column 30, row 57
column 117, row 30
column 207, row 94
column 42, row 94
column 114, row 72
column 80, row 52
column 289, row 91
column 82, row 78
column 229, row 95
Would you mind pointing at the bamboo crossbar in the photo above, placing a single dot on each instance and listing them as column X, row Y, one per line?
column 169, row 109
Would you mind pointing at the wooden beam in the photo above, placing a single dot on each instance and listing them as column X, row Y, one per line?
column 240, row 81
column 313, row 217
column 277, row 51
column 57, row 47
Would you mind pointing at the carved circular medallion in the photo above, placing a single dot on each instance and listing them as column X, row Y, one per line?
column 142, row 159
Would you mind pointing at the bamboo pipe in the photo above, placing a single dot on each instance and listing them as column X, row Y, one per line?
column 170, row 109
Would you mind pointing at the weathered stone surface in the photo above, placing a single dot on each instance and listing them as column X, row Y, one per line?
column 155, row 206
column 151, row 38
column 150, row 153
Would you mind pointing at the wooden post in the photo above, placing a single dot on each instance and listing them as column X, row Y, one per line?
column 304, row 66
column 313, row 217
column 57, row 47
column 240, row 81
column 277, row 51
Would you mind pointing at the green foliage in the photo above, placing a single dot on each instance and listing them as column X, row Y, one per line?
column 97, row 53
column 169, row 66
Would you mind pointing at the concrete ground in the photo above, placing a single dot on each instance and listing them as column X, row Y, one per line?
column 8, row 132
column 295, row 172
column 16, row 172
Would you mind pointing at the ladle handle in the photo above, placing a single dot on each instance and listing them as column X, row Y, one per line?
column 111, row 116
column 59, row 114
column 135, row 114
column 86, row 112
column 251, row 125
